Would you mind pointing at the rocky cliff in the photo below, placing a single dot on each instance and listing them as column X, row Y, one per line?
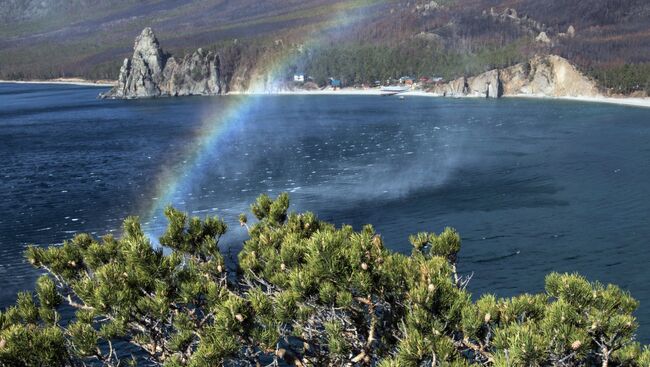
column 150, row 73
column 551, row 76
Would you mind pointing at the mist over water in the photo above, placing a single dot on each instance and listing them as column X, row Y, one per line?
column 532, row 186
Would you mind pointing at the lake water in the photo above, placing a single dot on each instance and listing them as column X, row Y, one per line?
column 532, row 186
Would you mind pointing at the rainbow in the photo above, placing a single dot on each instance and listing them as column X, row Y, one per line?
column 173, row 181
column 219, row 125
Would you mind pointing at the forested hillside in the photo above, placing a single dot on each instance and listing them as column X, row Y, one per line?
column 359, row 40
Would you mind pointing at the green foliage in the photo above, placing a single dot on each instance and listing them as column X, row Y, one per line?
column 626, row 78
column 355, row 63
column 47, row 294
column 30, row 345
column 305, row 293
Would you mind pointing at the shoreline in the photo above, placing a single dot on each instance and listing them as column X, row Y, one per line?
column 64, row 81
column 622, row 101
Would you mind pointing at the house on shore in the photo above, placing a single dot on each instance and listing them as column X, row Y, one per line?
column 335, row 83
column 407, row 80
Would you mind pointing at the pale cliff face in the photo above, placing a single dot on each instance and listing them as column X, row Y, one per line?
column 549, row 76
column 485, row 85
column 570, row 82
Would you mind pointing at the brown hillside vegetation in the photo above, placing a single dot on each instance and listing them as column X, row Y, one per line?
column 56, row 38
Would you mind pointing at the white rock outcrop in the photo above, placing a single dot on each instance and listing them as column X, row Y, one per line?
column 543, row 38
column 485, row 85
column 550, row 76
column 571, row 31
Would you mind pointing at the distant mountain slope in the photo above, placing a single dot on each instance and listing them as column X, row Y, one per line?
column 53, row 38
column 34, row 10
column 608, row 31
column 79, row 37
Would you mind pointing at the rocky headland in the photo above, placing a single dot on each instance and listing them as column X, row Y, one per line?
column 542, row 76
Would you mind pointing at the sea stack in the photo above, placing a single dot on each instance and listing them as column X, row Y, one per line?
column 149, row 73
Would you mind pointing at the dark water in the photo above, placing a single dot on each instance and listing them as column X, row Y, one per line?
column 532, row 186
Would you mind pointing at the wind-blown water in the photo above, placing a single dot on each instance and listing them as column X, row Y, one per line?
column 532, row 186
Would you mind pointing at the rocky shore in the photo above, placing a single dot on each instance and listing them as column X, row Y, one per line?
column 152, row 73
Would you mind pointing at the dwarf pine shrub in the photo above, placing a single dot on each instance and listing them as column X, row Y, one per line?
column 304, row 293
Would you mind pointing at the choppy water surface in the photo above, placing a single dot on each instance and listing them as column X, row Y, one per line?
column 532, row 186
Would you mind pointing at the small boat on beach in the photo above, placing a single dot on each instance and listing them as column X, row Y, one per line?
column 393, row 90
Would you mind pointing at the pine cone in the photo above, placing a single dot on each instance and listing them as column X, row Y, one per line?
column 576, row 345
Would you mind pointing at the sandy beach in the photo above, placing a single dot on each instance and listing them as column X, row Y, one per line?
column 65, row 81
column 625, row 101
column 636, row 102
